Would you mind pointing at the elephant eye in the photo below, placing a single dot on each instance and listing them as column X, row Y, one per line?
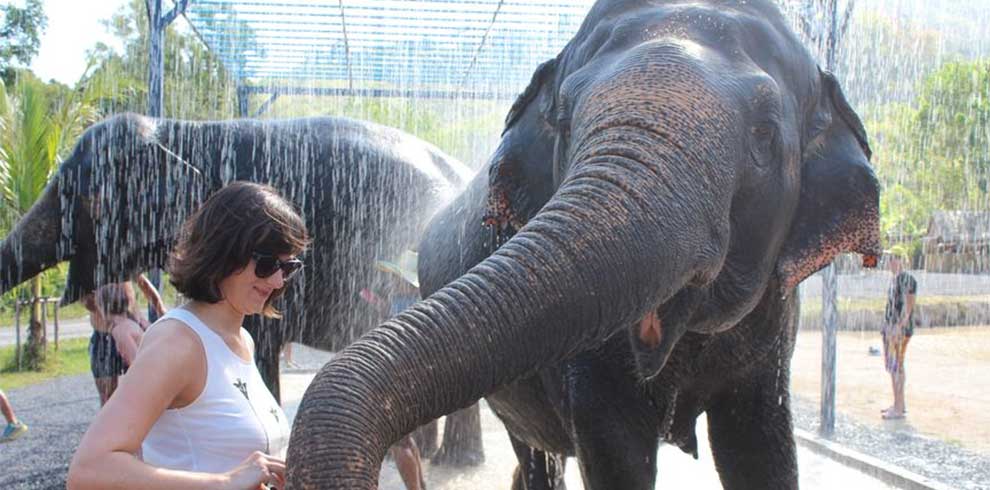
column 819, row 123
column 763, row 140
column 763, row 132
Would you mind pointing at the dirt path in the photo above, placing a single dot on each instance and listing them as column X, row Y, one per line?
column 948, row 390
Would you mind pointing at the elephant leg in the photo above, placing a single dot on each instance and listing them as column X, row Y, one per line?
column 537, row 470
column 462, row 444
column 751, row 434
column 426, row 438
column 614, row 427
column 267, row 348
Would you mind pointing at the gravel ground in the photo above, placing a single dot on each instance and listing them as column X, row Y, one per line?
column 57, row 414
column 59, row 411
column 901, row 446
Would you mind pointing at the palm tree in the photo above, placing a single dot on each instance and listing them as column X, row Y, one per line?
column 36, row 128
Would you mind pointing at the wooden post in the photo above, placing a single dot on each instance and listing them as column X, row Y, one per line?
column 44, row 319
column 55, row 314
column 17, row 328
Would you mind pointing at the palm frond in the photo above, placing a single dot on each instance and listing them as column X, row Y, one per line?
column 28, row 163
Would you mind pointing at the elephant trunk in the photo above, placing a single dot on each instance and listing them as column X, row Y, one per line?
column 32, row 246
column 587, row 265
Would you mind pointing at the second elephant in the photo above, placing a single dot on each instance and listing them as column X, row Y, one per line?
column 660, row 189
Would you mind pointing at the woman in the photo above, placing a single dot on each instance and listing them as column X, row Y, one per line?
column 118, row 327
column 193, row 403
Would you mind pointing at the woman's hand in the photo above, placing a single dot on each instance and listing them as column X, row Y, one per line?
column 257, row 470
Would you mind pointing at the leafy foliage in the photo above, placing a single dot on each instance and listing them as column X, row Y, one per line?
column 197, row 85
column 934, row 153
column 20, row 35
column 39, row 123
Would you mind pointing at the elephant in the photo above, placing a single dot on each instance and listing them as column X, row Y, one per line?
column 116, row 203
column 626, row 262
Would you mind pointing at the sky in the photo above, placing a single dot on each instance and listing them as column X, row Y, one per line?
column 73, row 27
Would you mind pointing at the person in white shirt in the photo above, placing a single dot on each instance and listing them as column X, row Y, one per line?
column 193, row 411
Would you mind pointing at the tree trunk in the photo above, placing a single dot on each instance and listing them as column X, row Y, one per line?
column 35, row 350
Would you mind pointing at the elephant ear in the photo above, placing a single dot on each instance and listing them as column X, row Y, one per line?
column 513, row 196
column 839, row 208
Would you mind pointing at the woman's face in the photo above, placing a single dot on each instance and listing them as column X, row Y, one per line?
column 246, row 292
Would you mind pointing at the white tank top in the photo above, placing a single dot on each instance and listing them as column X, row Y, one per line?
column 233, row 416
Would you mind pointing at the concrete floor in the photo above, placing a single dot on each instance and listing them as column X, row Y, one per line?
column 677, row 470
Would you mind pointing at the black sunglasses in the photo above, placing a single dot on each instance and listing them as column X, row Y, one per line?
column 265, row 265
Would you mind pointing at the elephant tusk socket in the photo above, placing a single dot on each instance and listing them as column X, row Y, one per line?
column 650, row 330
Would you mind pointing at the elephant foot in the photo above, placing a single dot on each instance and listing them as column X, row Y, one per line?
column 458, row 458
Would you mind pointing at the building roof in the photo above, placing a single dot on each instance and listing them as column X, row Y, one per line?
column 487, row 46
column 959, row 226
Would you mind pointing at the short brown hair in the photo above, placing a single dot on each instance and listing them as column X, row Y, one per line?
column 115, row 298
column 219, row 238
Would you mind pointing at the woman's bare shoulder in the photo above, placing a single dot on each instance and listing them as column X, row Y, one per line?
column 172, row 335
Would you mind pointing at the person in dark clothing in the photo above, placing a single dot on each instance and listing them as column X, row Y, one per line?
column 118, row 326
column 898, row 327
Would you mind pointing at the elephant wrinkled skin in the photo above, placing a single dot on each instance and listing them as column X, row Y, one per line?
column 660, row 189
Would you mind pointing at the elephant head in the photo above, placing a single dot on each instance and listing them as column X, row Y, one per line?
column 697, row 159
column 121, row 186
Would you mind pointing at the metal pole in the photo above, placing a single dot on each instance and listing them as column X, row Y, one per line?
column 830, row 314
column 242, row 100
column 157, row 23
column 156, row 58
column 156, row 90
column 830, row 284
column 17, row 329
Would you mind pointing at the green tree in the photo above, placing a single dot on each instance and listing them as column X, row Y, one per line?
column 38, row 124
column 197, row 85
column 20, row 35
column 935, row 152
column 953, row 123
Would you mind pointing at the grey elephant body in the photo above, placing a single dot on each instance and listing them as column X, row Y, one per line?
column 366, row 192
column 660, row 189
column 594, row 405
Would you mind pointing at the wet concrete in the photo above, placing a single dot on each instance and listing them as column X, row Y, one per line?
column 676, row 469
column 59, row 411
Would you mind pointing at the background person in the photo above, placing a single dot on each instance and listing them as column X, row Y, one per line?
column 118, row 326
column 194, row 403
column 14, row 427
column 898, row 327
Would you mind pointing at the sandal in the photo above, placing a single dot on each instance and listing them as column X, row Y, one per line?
column 892, row 415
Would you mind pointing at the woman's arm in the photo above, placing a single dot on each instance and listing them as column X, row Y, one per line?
column 151, row 294
column 170, row 370
column 909, row 300
column 128, row 335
